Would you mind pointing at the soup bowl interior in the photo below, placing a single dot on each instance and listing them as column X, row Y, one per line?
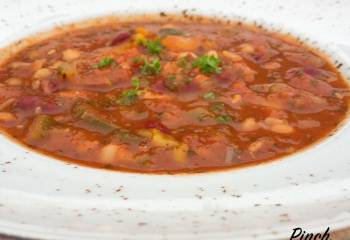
column 44, row 198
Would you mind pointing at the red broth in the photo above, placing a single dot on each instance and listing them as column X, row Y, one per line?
column 169, row 95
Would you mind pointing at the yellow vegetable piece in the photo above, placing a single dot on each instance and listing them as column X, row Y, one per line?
column 139, row 38
column 180, row 153
column 143, row 31
column 160, row 139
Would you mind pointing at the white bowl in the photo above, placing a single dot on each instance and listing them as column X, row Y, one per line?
column 44, row 198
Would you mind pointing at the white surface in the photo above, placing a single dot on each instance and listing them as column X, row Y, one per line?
column 48, row 199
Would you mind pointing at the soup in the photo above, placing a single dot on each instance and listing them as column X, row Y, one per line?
column 169, row 95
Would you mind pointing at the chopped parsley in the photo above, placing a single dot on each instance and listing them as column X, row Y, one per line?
column 151, row 68
column 183, row 62
column 223, row 119
column 218, row 107
column 170, row 82
column 135, row 82
column 209, row 96
column 103, row 63
column 153, row 47
column 138, row 60
column 208, row 64
column 128, row 97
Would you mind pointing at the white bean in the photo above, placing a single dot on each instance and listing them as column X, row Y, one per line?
column 249, row 124
column 277, row 125
column 42, row 73
column 109, row 153
column 70, row 54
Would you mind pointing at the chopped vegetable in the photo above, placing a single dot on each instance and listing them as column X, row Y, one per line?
column 160, row 139
column 153, row 47
column 105, row 62
column 218, row 107
column 138, row 60
column 223, row 119
column 135, row 82
column 120, row 37
column 170, row 83
column 128, row 97
column 184, row 63
column 92, row 120
column 180, row 153
column 67, row 70
column 209, row 96
column 127, row 137
column 39, row 127
column 151, row 68
column 208, row 64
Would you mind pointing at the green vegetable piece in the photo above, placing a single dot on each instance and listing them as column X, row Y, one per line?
column 170, row 83
column 170, row 31
column 183, row 62
column 175, row 82
column 135, row 82
column 218, row 107
column 138, row 60
column 92, row 120
column 153, row 47
column 105, row 62
column 208, row 64
column 128, row 97
column 209, row 96
column 151, row 68
column 127, row 137
column 223, row 119
column 40, row 126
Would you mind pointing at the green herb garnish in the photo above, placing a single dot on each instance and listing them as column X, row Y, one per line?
column 151, row 68
column 209, row 96
column 218, row 107
column 183, row 62
column 223, row 119
column 135, row 82
column 153, row 47
column 208, row 64
column 105, row 62
column 128, row 97
column 137, row 60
